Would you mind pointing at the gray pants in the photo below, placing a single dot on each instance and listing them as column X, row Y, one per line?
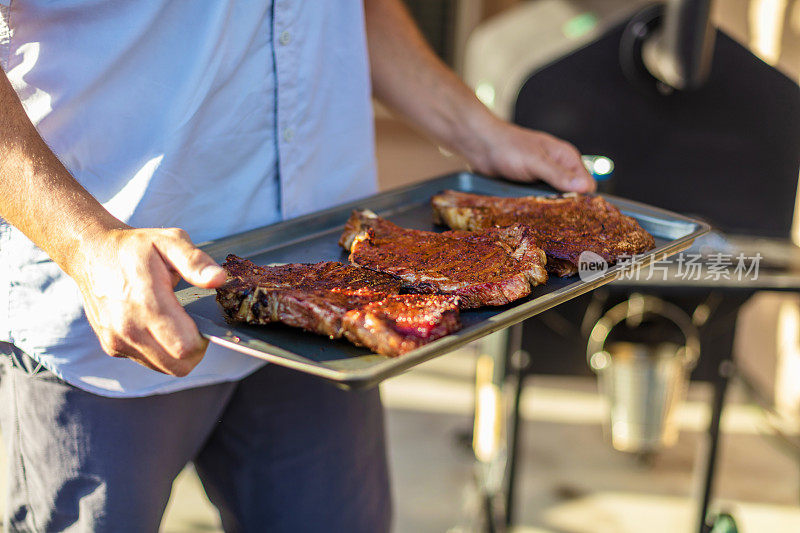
column 276, row 452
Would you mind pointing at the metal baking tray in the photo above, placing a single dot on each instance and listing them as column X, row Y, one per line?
column 314, row 237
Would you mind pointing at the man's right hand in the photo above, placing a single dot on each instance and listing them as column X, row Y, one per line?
column 127, row 277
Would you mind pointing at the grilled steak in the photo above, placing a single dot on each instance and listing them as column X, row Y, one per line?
column 491, row 267
column 563, row 226
column 336, row 300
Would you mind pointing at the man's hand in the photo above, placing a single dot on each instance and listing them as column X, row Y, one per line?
column 127, row 277
column 409, row 78
column 521, row 154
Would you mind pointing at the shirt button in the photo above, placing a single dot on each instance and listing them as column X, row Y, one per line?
column 288, row 134
column 285, row 38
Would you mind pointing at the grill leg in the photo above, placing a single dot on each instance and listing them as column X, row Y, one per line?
column 489, row 438
column 708, row 454
column 519, row 362
column 496, row 426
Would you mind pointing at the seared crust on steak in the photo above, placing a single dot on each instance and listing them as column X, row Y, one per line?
column 335, row 300
column 399, row 324
column 491, row 267
column 327, row 275
column 563, row 226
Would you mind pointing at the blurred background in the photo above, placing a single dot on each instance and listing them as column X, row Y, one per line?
column 727, row 152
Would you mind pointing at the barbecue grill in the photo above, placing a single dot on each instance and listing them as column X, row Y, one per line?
column 693, row 122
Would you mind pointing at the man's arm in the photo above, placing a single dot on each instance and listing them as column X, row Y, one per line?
column 409, row 78
column 126, row 275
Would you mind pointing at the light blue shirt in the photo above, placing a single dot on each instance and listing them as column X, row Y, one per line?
column 213, row 116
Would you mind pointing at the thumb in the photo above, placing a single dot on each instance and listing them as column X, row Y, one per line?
column 193, row 264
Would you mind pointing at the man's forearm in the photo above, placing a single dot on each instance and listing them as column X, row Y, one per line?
column 37, row 194
column 409, row 78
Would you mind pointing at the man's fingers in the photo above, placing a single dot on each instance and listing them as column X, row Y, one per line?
column 552, row 172
column 184, row 346
column 194, row 265
column 568, row 178
column 542, row 165
column 140, row 348
column 161, row 337
column 152, row 353
column 176, row 332
column 165, row 349
column 566, row 161
column 527, row 155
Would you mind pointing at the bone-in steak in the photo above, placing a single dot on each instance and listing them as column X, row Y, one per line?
column 336, row 300
column 491, row 267
column 562, row 226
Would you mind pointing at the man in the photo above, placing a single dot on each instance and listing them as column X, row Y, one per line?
column 118, row 119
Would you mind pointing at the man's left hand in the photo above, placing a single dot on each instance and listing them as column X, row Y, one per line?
column 527, row 155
